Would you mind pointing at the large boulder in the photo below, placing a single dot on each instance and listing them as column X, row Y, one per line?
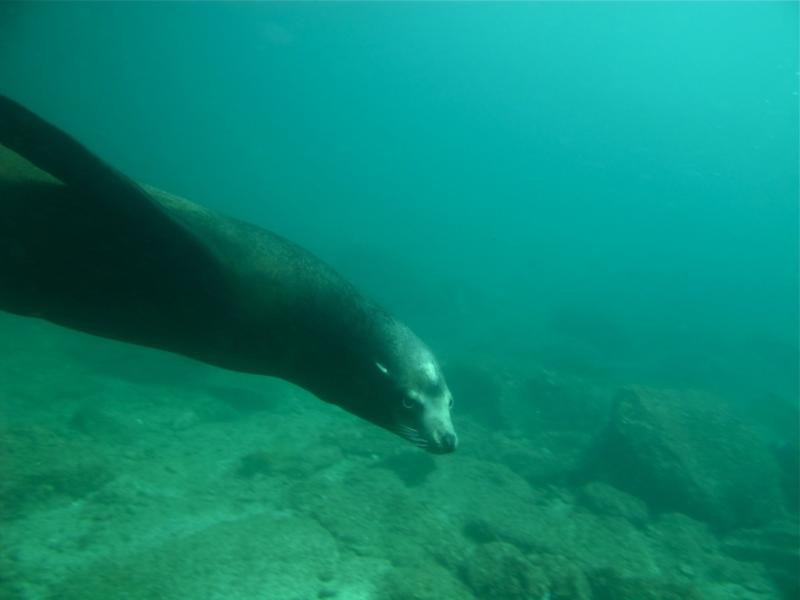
column 685, row 452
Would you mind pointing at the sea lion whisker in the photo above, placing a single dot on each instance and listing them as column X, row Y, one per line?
column 410, row 432
column 412, row 435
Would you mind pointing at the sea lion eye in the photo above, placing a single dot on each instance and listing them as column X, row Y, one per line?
column 450, row 402
column 410, row 401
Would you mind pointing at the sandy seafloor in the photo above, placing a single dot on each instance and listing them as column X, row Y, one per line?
column 131, row 473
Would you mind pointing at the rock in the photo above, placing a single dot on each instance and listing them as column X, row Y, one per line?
column 411, row 466
column 500, row 571
column 609, row 584
column 686, row 453
column 100, row 424
column 246, row 400
column 776, row 547
column 269, row 555
column 40, row 467
column 280, row 460
column 603, row 499
column 422, row 582
column 373, row 513
column 256, row 464
column 543, row 458
column 566, row 581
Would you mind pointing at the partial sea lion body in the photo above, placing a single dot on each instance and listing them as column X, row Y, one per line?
column 83, row 246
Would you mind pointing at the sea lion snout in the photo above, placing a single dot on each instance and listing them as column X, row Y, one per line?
column 446, row 442
column 438, row 428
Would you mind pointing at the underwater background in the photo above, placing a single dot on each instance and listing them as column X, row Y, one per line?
column 588, row 210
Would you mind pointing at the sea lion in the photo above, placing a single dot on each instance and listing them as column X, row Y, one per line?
column 83, row 246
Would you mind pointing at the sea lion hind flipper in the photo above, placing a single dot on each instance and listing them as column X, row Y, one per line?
column 60, row 155
column 100, row 253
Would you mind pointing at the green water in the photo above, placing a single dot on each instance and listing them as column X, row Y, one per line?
column 561, row 198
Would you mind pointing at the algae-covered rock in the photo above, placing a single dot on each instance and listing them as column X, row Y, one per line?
column 500, row 571
column 411, row 466
column 428, row 581
column 39, row 466
column 502, row 507
column 610, row 584
column 374, row 514
column 256, row 464
column 542, row 458
column 263, row 556
column 776, row 547
column 604, row 499
column 98, row 423
column 280, row 459
column 685, row 452
column 566, row 581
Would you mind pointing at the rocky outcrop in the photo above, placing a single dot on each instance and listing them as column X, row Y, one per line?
column 686, row 453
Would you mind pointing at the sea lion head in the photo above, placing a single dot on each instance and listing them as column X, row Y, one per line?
column 412, row 394
column 363, row 360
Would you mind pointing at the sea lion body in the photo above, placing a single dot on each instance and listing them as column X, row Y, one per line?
column 84, row 247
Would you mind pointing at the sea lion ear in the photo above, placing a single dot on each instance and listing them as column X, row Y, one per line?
column 381, row 368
